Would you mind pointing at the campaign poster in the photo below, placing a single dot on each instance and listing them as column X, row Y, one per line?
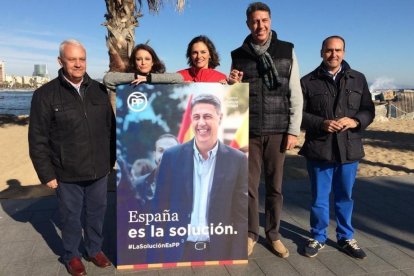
column 182, row 174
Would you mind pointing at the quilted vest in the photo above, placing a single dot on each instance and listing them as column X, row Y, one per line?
column 269, row 108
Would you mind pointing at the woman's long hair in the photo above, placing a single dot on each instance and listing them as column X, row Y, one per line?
column 157, row 67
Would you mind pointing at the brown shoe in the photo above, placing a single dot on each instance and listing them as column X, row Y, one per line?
column 250, row 245
column 75, row 267
column 100, row 260
column 280, row 249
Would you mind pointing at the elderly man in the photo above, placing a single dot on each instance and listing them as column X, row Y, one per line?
column 70, row 134
column 337, row 108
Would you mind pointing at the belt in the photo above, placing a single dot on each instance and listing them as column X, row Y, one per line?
column 200, row 245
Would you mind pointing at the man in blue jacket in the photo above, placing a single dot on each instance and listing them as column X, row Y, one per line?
column 70, row 143
column 337, row 108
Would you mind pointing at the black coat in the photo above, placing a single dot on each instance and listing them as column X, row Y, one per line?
column 70, row 138
column 326, row 100
column 269, row 111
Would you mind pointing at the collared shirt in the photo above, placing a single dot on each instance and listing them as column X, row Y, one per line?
column 76, row 86
column 333, row 76
column 203, row 175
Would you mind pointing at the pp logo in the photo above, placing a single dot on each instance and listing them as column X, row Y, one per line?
column 137, row 101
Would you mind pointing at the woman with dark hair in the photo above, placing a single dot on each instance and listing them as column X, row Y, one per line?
column 144, row 60
column 202, row 57
column 144, row 66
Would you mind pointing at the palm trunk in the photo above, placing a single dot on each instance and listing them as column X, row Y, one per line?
column 121, row 21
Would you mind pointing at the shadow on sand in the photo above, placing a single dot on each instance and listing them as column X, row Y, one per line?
column 16, row 191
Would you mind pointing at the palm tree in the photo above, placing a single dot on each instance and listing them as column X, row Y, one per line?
column 121, row 21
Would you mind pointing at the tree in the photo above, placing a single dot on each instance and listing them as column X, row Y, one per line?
column 121, row 21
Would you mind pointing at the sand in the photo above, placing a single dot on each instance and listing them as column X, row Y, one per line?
column 388, row 145
column 389, row 148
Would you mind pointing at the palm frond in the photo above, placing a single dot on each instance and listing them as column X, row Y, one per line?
column 180, row 5
column 154, row 5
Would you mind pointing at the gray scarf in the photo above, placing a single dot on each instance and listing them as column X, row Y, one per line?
column 267, row 67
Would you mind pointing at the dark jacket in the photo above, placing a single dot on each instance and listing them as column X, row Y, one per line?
column 70, row 138
column 269, row 109
column 227, row 201
column 325, row 99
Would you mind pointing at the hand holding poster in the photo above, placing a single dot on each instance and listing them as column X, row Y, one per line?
column 187, row 204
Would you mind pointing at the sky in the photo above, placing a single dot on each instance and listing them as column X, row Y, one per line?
column 378, row 33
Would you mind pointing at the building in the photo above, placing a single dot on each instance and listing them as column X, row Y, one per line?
column 40, row 70
column 25, row 82
column 398, row 102
column 403, row 104
column 40, row 77
column 2, row 72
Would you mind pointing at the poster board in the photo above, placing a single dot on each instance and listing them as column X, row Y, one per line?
column 158, row 224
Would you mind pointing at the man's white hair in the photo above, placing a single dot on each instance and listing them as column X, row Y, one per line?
column 69, row 41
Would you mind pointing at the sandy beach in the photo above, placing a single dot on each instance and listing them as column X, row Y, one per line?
column 388, row 145
column 389, row 148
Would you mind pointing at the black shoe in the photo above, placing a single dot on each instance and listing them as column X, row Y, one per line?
column 313, row 247
column 351, row 248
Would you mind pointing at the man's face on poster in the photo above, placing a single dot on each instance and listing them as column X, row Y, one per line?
column 205, row 121
column 162, row 145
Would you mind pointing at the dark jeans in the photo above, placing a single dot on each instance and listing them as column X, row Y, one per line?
column 87, row 198
column 266, row 149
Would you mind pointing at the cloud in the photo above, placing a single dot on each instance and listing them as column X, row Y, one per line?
column 27, row 42
column 10, row 55
column 20, row 52
column 36, row 32
column 383, row 83
column 21, row 62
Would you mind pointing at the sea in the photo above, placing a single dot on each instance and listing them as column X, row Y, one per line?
column 15, row 102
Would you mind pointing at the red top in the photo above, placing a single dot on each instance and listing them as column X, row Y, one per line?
column 202, row 75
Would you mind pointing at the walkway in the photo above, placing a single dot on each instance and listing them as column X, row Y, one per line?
column 383, row 219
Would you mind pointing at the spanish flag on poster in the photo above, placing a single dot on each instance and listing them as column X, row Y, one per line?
column 186, row 134
column 241, row 137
